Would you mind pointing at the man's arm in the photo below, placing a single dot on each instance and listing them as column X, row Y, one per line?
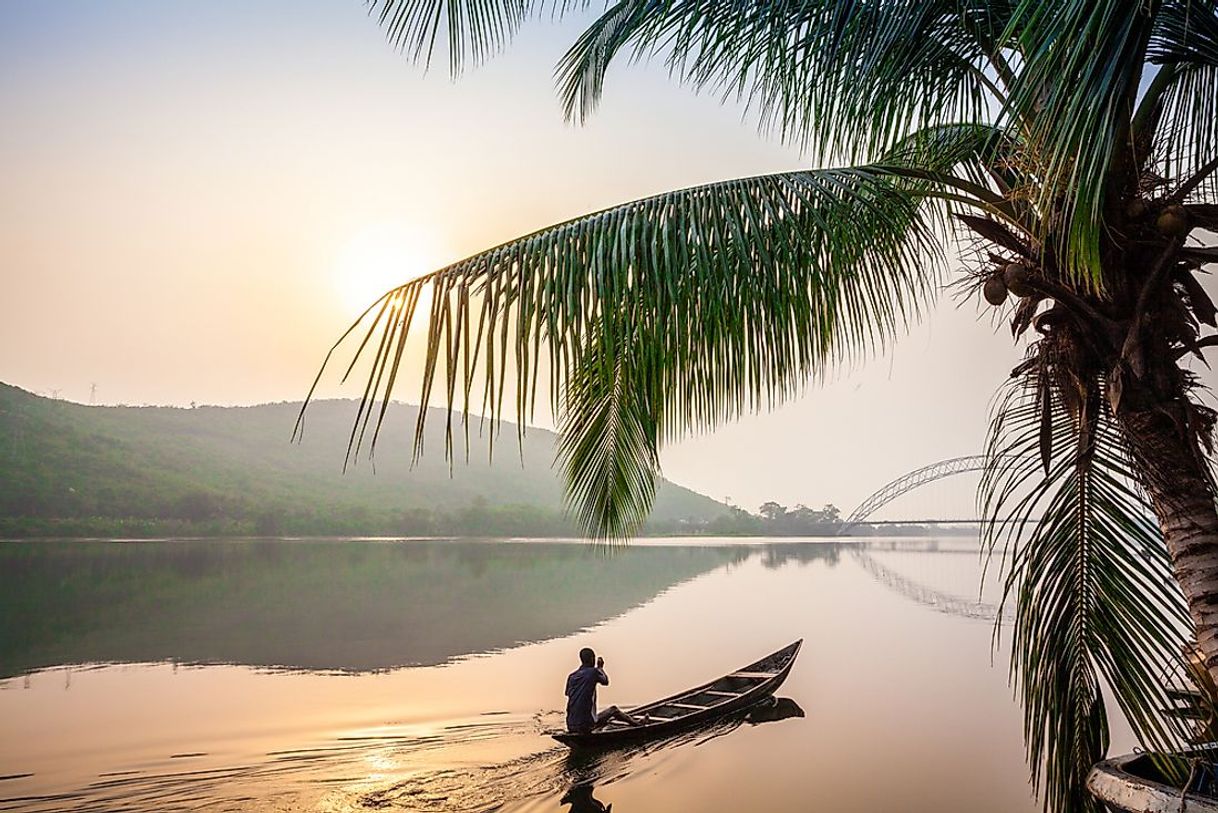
column 601, row 677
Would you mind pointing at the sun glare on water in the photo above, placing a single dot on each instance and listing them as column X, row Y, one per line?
column 380, row 257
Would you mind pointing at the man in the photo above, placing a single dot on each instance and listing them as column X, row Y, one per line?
column 581, row 696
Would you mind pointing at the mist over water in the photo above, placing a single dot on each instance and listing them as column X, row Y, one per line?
column 410, row 675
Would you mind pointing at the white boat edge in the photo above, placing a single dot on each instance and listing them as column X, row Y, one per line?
column 1115, row 785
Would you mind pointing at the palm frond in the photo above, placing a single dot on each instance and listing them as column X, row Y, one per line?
column 1096, row 607
column 847, row 78
column 729, row 297
column 470, row 29
column 1186, row 34
column 970, row 158
column 1083, row 61
column 608, row 450
column 1185, row 42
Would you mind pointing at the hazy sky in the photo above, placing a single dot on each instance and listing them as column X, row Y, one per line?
column 198, row 197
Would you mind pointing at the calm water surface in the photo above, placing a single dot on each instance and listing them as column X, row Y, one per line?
column 375, row 675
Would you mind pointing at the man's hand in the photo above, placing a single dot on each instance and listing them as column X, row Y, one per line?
column 600, row 663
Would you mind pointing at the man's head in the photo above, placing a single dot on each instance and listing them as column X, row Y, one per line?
column 587, row 657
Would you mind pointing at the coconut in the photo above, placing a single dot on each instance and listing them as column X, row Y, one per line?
column 1173, row 221
column 1015, row 276
column 995, row 290
column 1136, row 209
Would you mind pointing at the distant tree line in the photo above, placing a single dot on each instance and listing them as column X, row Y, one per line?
column 773, row 519
column 800, row 520
column 118, row 510
column 200, row 518
column 206, row 514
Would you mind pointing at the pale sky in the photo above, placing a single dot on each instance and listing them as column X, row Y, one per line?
column 198, row 197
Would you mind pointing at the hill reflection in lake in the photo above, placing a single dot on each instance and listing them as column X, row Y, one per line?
column 317, row 605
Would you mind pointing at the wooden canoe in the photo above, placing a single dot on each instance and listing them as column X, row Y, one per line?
column 1132, row 784
column 733, row 692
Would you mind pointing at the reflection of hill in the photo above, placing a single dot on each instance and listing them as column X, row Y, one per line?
column 312, row 604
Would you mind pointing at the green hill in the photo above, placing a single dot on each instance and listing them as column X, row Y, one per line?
column 69, row 469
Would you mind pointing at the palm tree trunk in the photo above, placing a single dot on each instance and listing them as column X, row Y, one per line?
column 1177, row 480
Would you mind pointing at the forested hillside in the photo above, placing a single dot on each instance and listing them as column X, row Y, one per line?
column 69, row 469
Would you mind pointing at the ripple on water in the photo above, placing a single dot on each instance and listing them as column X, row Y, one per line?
column 447, row 771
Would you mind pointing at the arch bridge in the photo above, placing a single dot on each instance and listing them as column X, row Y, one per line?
column 908, row 482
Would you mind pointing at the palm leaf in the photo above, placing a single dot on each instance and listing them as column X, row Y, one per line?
column 1082, row 63
column 1096, row 607
column 727, row 296
column 469, row 28
column 848, row 78
column 1186, row 34
column 1185, row 44
column 608, row 448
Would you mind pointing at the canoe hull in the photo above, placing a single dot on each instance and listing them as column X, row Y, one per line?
column 1125, row 784
column 610, row 737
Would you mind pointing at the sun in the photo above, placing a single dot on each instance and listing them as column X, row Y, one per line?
column 379, row 257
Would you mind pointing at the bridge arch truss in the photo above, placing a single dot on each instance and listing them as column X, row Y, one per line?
column 908, row 482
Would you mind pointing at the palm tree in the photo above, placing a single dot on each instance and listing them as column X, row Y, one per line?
column 1064, row 150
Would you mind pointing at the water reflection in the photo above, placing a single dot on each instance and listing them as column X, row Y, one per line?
column 582, row 801
column 939, row 600
column 776, row 556
column 888, row 681
column 350, row 606
column 586, row 770
column 779, row 708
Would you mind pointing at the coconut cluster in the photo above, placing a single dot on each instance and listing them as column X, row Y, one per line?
column 1171, row 220
column 1018, row 278
column 1012, row 278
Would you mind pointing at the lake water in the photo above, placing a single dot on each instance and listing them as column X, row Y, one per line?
column 422, row 675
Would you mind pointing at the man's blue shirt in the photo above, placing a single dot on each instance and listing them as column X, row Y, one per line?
column 581, row 697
